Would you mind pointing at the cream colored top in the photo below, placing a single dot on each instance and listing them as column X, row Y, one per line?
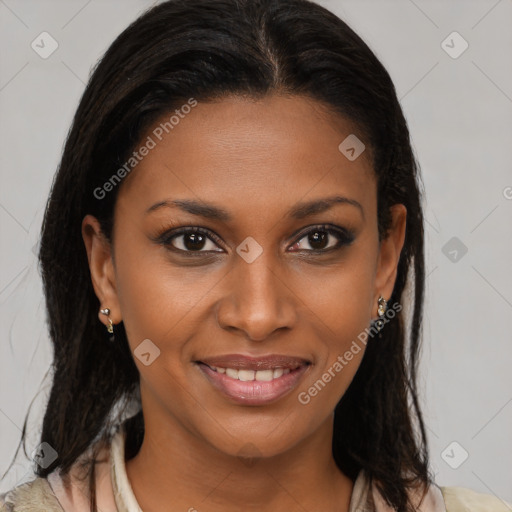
column 115, row 494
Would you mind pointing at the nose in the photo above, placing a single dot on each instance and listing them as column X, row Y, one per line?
column 257, row 300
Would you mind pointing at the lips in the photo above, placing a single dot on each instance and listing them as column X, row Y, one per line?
column 254, row 381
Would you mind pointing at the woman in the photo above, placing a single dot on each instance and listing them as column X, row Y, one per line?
column 225, row 255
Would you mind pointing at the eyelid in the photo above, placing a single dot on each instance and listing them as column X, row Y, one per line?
column 345, row 237
column 166, row 237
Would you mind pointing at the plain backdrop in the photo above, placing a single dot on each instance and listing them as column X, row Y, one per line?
column 458, row 103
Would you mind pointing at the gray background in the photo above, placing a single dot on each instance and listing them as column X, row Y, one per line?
column 459, row 112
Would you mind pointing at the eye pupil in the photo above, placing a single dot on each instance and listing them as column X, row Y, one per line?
column 194, row 241
column 317, row 239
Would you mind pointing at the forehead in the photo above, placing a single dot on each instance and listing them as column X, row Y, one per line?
column 242, row 149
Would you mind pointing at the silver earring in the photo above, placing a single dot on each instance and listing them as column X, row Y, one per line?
column 381, row 311
column 110, row 326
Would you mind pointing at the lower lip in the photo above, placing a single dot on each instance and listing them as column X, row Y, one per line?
column 254, row 392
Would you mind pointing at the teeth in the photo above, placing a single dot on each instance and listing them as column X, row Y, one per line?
column 265, row 375
column 246, row 375
column 250, row 375
column 232, row 373
column 278, row 372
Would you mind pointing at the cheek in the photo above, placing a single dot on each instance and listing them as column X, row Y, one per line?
column 342, row 310
column 158, row 302
column 155, row 296
column 343, row 300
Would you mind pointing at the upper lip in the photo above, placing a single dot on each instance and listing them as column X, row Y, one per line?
column 267, row 362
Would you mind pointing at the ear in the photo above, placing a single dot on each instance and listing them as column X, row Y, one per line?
column 389, row 254
column 101, row 266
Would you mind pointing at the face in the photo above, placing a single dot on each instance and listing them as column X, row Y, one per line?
column 246, row 250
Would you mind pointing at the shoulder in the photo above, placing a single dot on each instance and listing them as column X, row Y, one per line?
column 461, row 499
column 68, row 492
column 34, row 495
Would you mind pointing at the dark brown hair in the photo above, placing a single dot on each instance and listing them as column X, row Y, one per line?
column 207, row 49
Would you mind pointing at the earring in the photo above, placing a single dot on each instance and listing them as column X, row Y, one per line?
column 110, row 326
column 381, row 311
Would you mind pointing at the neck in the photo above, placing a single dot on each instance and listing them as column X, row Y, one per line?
column 174, row 468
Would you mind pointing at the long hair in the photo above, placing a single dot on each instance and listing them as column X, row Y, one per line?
column 209, row 49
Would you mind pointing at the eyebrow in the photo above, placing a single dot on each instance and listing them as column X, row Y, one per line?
column 210, row 211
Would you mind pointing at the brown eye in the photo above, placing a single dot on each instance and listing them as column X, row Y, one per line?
column 323, row 239
column 191, row 240
column 318, row 239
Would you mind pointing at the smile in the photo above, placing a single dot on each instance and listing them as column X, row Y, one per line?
column 254, row 381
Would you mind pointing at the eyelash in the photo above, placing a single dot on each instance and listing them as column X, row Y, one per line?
column 345, row 237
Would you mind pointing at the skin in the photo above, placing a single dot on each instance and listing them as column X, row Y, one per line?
column 256, row 160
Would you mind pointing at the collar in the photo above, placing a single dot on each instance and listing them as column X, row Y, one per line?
column 115, row 494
